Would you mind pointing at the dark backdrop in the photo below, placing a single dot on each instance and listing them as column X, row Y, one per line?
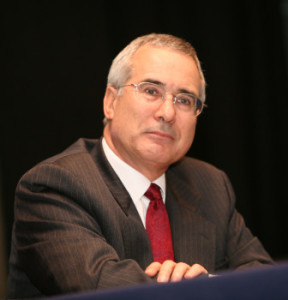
column 56, row 58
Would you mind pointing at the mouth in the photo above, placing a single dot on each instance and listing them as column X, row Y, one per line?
column 161, row 135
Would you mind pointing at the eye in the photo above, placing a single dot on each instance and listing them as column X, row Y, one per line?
column 150, row 90
column 185, row 100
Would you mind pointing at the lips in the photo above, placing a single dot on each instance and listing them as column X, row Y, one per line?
column 161, row 135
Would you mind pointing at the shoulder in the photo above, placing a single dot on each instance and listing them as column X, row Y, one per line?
column 80, row 148
column 75, row 161
column 201, row 176
column 210, row 183
column 83, row 150
column 191, row 167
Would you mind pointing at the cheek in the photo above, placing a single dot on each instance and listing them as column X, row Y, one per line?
column 130, row 109
column 131, row 119
column 188, row 132
column 138, row 116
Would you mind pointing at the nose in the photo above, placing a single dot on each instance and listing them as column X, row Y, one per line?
column 166, row 110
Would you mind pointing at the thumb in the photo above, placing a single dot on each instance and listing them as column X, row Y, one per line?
column 153, row 269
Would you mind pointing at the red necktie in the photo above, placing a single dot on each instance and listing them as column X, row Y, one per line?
column 158, row 226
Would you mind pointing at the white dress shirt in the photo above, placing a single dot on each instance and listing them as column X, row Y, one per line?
column 135, row 183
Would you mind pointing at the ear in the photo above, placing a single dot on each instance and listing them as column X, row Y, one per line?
column 108, row 102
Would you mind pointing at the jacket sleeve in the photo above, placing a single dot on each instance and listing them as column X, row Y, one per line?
column 243, row 248
column 59, row 242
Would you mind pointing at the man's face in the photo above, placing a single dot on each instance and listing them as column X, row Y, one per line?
column 148, row 135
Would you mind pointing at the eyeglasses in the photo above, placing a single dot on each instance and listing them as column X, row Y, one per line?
column 153, row 92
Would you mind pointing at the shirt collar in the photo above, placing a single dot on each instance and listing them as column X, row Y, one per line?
column 135, row 183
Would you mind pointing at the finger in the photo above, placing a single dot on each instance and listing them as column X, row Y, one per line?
column 153, row 269
column 194, row 271
column 179, row 271
column 166, row 271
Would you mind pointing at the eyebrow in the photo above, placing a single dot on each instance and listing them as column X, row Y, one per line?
column 153, row 81
column 163, row 84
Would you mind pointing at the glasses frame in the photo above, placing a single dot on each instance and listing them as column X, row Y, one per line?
column 197, row 100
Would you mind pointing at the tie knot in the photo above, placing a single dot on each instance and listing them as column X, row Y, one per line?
column 154, row 193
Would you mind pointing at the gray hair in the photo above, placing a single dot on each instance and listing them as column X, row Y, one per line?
column 121, row 68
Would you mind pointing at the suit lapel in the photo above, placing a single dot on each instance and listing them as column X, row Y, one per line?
column 135, row 239
column 193, row 235
column 111, row 179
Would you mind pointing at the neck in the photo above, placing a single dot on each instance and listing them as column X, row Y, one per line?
column 150, row 170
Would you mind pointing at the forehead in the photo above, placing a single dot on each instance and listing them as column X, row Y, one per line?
column 166, row 65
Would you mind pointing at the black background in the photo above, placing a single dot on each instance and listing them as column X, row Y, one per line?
column 56, row 59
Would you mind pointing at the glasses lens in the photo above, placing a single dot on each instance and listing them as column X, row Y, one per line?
column 150, row 91
column 198, row 107
column 187, row 102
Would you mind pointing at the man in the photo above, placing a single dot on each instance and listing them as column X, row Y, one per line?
column 81, row 216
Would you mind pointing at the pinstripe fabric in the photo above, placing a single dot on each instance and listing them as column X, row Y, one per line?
column 76, row 227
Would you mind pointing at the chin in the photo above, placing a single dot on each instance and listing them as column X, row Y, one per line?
column 162, row 158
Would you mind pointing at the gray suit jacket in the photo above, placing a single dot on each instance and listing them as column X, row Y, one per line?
column 76, row 227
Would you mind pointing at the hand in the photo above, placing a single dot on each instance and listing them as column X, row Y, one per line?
column 172, row 271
